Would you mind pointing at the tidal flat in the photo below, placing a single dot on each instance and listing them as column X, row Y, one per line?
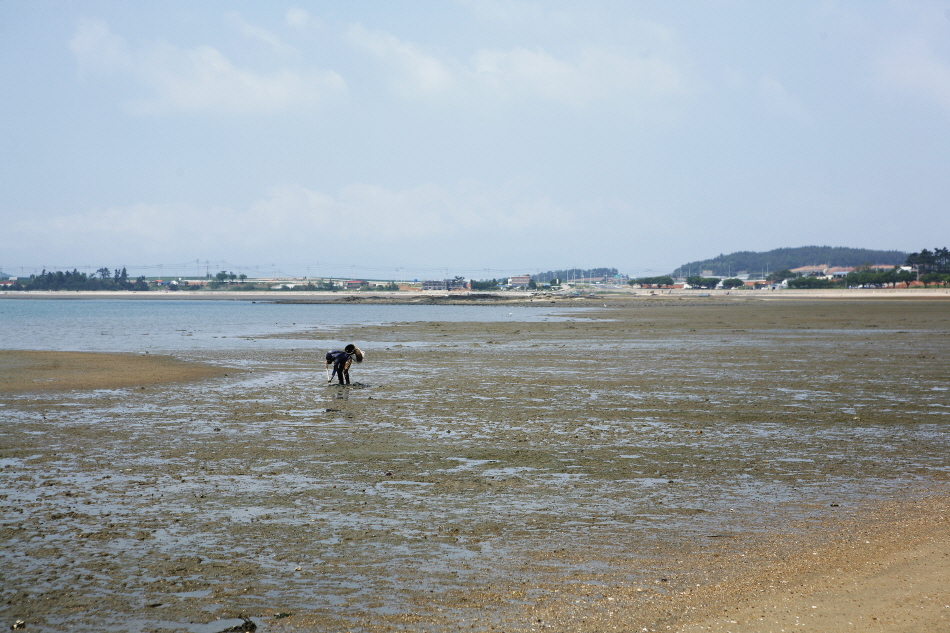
column 571, row 475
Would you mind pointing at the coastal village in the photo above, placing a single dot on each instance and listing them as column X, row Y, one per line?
column 525, row 282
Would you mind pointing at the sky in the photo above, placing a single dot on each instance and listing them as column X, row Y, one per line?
column 480, row 138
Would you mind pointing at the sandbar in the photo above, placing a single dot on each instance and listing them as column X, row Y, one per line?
column 28, row 370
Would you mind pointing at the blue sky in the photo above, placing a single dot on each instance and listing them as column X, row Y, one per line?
column 471, row 137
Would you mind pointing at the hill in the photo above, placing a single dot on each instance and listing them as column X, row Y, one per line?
column 788, row 258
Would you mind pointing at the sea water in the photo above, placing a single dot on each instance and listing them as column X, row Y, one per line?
column 168, row 326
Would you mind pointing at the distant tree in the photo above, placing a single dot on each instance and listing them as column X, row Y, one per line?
column 663, row 280
column 121, row 278
column 327, row 284
column 732, row 283
column 485, row 284
column 242, row 277
column 811, row 282
column 905, row 277
column 102, row 279
column 865, row 276
column 780, row 276
column 222, row 275
column 889, row 277
column 697, row 281
column 935, row 278
column 936, row 261
column 532, row 284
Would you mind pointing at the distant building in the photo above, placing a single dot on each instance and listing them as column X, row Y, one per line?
column 445, row 284
column 838, row 271
column 519, row 281
column 353, row 284
column 835, row 272
column 810, row 271
column 435, row 284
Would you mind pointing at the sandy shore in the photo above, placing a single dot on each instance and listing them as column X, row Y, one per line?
column 885, row 569
column 888, row 571
column 611, row 296
column 660, row 465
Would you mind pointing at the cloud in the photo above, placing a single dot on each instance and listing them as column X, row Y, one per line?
column 141, row 230
column 299, row 18
column 461, row 220
column 531, row 72
column 256, row 33
column 416, row 213
column 777, row 98
column 911, row 66
column 413, row 73
column 200, row 79
column 521, row 15
column 204, row 80
column 595, row 74
column 98, row 49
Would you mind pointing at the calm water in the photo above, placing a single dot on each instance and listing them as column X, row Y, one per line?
column 116, row 325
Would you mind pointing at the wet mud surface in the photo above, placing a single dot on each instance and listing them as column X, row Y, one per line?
column 63, row 371
column 503, row 476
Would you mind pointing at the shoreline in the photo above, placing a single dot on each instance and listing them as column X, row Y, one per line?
column 486, row 298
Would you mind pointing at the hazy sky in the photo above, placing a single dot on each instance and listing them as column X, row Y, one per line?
column 470, row 137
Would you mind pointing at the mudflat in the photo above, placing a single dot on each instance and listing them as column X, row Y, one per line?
column 24, row 370
column 661, row 464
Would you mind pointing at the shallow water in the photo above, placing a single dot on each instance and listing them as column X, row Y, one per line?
column 457, row 471
column 117, row 325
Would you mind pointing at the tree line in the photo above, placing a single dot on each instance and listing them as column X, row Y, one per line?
column 102, row 279
column 936, row 261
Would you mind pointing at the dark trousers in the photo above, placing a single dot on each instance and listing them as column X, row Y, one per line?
column 341, row 369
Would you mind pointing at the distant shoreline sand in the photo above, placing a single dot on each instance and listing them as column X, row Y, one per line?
column 481, row 298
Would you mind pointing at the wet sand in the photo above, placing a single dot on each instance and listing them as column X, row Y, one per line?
column 887, row 571
column 38, row 370
column 661, row 464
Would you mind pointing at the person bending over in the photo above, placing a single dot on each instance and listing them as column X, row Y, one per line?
column 341, row 362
